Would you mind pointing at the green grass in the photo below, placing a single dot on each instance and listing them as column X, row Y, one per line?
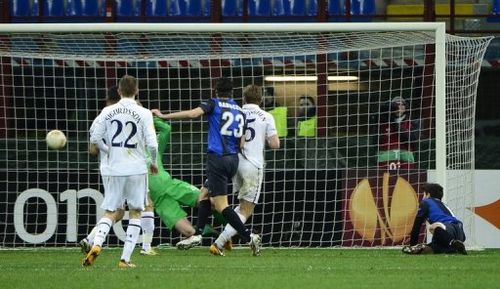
column 276, row 268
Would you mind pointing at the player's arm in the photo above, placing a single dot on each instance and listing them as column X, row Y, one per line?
column 185, row 114
column 151, row 142
column 163, row 130
column 242, row 142
column 93, row 149
column 423, row 212
column 273, row 140
column 97, row 132
column 244, row 133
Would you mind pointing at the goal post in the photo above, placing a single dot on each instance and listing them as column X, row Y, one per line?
column 352, row 160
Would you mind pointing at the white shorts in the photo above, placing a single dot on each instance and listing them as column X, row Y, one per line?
column 248, row 181
column 119, row 190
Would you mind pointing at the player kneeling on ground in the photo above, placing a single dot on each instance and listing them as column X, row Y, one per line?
column 447, row 231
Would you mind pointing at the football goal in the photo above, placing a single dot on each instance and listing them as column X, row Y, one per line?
column 366, row 113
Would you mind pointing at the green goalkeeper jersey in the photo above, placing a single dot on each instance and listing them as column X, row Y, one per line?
column 169, row 194
column 162, row 184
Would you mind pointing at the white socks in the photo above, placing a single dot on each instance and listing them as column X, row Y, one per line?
column 91, row 236
column 133, row 231
column 148, row 227
column 102, row 230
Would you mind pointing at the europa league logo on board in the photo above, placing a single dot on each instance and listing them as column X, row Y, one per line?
column 386, row 216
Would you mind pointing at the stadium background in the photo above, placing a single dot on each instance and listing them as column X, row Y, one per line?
column 463, row 18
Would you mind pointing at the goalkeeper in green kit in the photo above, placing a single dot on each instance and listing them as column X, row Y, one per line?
column 169, row 194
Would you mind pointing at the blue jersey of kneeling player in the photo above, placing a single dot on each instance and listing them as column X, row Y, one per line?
column 435, row 211
column 226, row 123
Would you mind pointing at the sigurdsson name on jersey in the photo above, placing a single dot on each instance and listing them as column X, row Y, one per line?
column 122, row 110
column 229, row 105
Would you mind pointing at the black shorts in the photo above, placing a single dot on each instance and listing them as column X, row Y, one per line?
column 456, row 232
column 220, row 170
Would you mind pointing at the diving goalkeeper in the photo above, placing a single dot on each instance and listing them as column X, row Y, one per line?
column 168, row 194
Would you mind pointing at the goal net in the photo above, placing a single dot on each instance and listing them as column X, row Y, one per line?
column 366, row 113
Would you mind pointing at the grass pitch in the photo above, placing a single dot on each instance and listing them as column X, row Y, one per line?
column 276, row 268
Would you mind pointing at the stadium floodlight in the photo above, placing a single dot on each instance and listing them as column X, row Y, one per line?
column 324, row 187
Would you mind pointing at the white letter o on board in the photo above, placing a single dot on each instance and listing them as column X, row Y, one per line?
column 51, row 216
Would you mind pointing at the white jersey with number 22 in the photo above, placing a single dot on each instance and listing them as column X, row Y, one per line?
column 127, row 129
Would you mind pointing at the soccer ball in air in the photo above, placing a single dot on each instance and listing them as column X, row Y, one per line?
column 55, row 139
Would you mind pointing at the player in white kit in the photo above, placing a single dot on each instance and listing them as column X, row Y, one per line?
column 260, row 129
column 147, row 216
column 124, row 131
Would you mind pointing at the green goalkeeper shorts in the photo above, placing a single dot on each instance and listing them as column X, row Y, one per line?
column 168, row 198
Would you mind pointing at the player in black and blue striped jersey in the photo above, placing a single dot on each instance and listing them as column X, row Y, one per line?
column 447, row 231
column 226, row 126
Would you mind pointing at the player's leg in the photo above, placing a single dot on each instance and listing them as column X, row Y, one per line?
column 87, row 242
column 447, row 238
column 192, row 240
column 247, row 182
column 219, row 171
column 440, row 236
column 244, row 211
column 204, row 212
column 175, row 192
column 221, row 205
column 173, row 216
column 131, row 236
column 102, row 230
column 185, row 227
column 457, row 234
column 208, row 230
column 148, row 227
column 224, row 240
column 223, row 169
column 188, row 195
column 135, row 193
column 458, row 246
column 113, row 201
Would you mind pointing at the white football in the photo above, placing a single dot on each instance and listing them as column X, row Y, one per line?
column 55, row 139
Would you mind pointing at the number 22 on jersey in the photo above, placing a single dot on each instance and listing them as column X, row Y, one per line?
column 118, row 132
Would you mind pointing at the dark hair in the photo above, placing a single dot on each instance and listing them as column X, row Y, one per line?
column 252, row 94
column 309, row 99
column 307, row 109
column 268, row 101
column 224, row 87
column 399, row 99
column 433, row 189
column 112, row 96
